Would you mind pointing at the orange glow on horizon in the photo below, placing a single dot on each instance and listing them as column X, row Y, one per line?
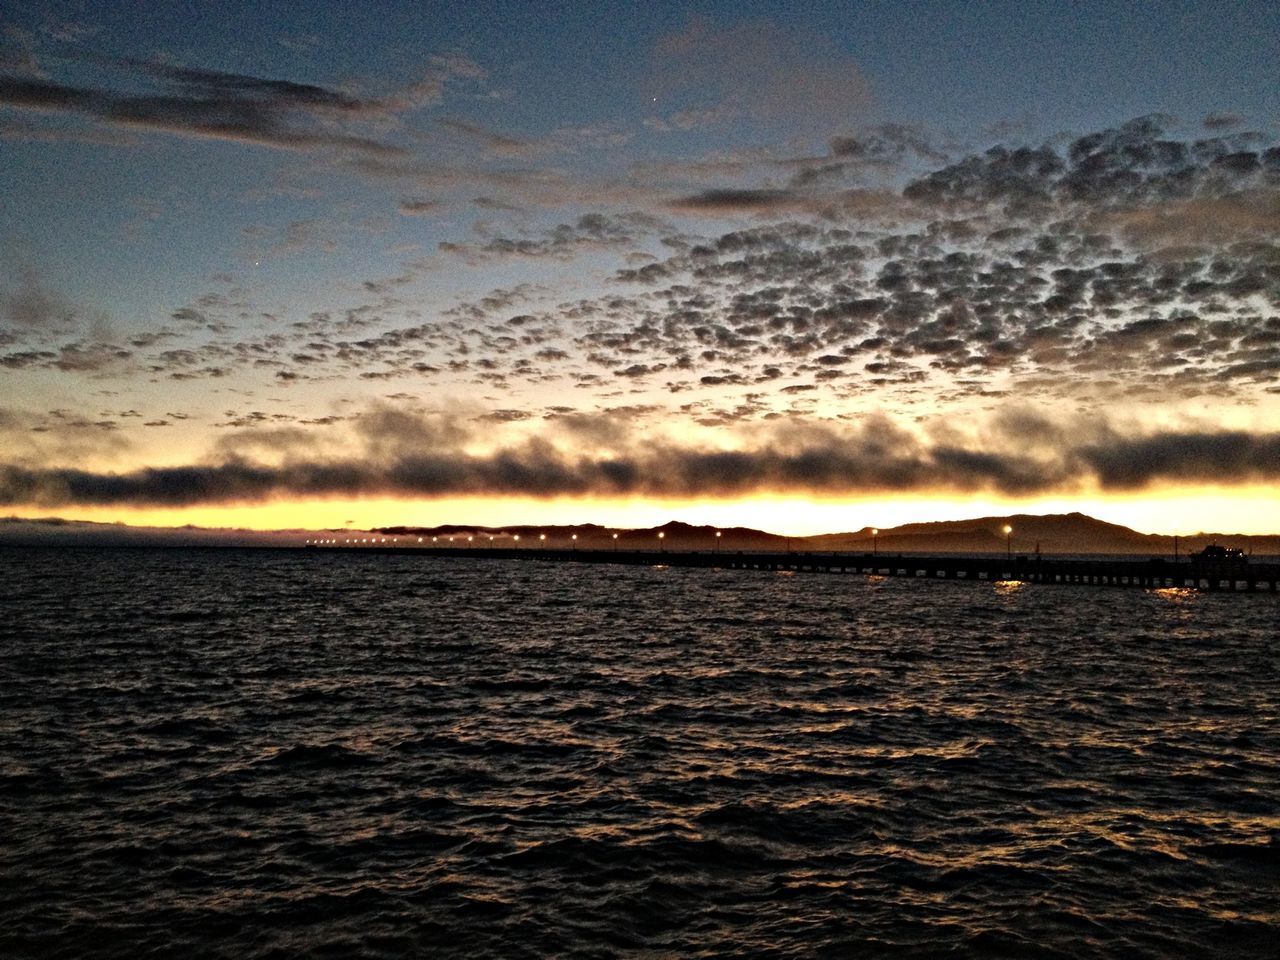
column 1243, row 510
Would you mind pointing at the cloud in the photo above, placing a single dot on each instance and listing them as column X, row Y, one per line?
column 29, row 304
column 498, row 144
column 440, row 73
column 1222, row 121
column 419, row 207
column 36, row 438
column 1120, row 265
column 268, row 112
column 405, row 454
column 757, row 73
column 562, row 242
column 730, row 201
column 265, row 115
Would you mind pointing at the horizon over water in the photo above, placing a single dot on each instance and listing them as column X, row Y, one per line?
column 255, row 753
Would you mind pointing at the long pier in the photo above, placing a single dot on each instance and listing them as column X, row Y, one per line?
column 1145, row 574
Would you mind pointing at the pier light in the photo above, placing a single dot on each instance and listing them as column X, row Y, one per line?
column 516, row 537
column 434, row 539
column 419, row 539
column 1008, row 541
column 719, row 534
column 615, row 543
column 542, row 537
column 875, row 541
column 661, row 537
column 469, row 540
column 574, row 538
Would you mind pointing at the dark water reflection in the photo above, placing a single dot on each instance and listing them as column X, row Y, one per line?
column 253, row 754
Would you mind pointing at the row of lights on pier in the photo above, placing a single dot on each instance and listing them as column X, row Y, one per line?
column 542, row 538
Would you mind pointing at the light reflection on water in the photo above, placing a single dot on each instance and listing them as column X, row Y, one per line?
column 250, row 754
column 1175, row 594
column 1004, row 588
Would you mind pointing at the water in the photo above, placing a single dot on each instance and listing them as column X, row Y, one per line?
column 276, row 754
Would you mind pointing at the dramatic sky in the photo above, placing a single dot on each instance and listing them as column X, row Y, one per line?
column 801, row 266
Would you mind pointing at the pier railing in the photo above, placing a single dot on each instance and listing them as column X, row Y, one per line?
column 1148, row 574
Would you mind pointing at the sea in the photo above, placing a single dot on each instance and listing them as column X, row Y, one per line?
column 276, row 754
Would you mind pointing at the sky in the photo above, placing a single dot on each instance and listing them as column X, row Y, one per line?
column 808, row 268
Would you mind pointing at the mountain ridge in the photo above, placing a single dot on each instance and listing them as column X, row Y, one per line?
column 1062, row 533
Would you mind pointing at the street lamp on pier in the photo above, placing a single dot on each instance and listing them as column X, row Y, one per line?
column 875, row 541
column 1008, row 542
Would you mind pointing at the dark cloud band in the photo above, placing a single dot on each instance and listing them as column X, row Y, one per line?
column 877, row 459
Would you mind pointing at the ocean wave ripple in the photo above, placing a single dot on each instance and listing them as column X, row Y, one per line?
column 270, row 754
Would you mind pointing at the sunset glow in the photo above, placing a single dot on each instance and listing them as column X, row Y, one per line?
column 750, row 276
column 1236, row 510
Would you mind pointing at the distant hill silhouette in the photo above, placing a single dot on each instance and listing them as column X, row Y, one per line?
column 1062, row 533
column 1054, row 534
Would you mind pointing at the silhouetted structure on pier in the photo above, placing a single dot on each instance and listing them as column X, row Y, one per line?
column 1211, row 574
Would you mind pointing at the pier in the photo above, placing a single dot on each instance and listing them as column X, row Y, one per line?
column 1144, row 574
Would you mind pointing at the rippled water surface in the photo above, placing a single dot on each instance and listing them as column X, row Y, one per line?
column 271, row 754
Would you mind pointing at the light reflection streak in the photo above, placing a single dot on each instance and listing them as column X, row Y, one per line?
column 1176, row 595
